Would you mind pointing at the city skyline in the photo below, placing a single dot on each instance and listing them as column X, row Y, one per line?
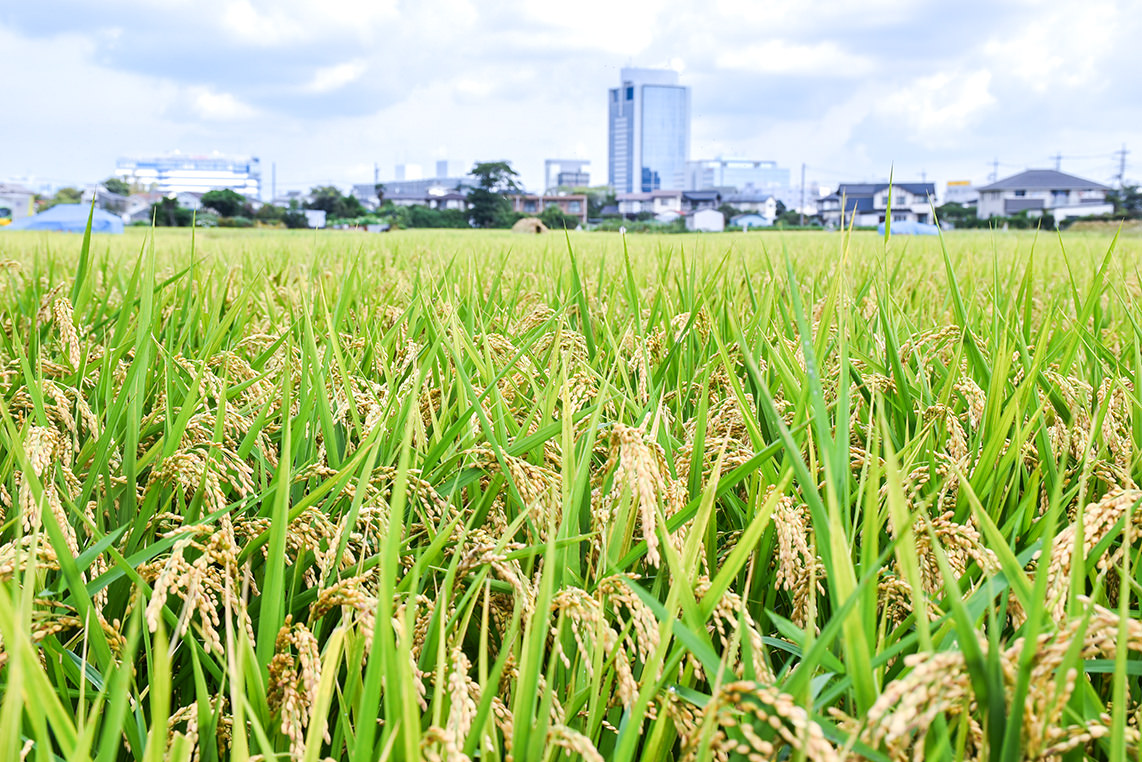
column 327, row 92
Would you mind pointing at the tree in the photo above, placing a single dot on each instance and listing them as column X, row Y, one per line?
column 227, row 203
column 488, row 203
column 729, row 212
column 379, row 189
column 167, row 213
column 1127, row 201
column 117, row 186
column 270, row 213
column 64, row 196
column 959, row 216
column 554, row 218
column 295, row 219
column 329, row 199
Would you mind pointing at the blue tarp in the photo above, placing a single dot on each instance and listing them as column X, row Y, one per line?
column 907, row 227
column 69, row 218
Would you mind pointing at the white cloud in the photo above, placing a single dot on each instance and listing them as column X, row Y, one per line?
column 797, row 59
column 1059, row 47
column 219, row 107
column 254, row 27
column 938, row 108
column 330, row 78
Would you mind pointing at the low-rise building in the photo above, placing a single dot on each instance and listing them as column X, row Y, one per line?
column 572, row 205
column 764, row 204
column 701, row 199
column 651, row 202
column 961, row 192
column 706, row 221
column 1043, row 191
column 16, row 202
column 868, row 204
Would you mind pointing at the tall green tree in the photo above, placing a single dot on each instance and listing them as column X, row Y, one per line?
column 168, row 214
column 117, row 186
column 488, row 202
column 227, row 203
column 336, row 206
column 1127, row 201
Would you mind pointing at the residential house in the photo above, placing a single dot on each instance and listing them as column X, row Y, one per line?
column 650, row 202
column 692, row 201
column 1043, row 191
column 292, row 199
column 442, row 200
column 191, row 200
column 707, row 220
column 15, row 202
column 105, row 199
column 137, row 207
column 572, row 205
column 764, row 204
column 868, row 203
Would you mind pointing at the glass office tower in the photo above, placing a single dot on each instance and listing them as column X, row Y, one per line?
column 649, row 132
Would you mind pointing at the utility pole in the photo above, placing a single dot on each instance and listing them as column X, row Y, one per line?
column 273, row 181
column 376, row 173
column 1122, row 167
column 802, row 224
column 994, row 176
column 1059, row 161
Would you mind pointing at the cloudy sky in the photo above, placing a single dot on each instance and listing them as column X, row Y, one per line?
column 327, row 89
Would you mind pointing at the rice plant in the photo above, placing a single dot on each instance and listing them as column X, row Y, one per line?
column 460, row 496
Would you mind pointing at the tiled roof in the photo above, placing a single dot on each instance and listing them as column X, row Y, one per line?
column 1043, row 179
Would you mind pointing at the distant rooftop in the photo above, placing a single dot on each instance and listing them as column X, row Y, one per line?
column 853, row 190
column 1043, row 179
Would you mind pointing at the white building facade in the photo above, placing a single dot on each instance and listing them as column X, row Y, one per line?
column 183, row 173
column 648, row 132
column 1043, row 191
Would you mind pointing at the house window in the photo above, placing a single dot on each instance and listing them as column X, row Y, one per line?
column 530, row 206
column 1020, row 193
column 574, row 207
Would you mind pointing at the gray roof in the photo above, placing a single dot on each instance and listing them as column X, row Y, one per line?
column 856, row 190
column 1043, row 179
column 747, row 198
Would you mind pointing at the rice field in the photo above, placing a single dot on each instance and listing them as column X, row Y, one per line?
column 459, row 496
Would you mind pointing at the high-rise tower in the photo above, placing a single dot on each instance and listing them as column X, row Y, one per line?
column 648, row 131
